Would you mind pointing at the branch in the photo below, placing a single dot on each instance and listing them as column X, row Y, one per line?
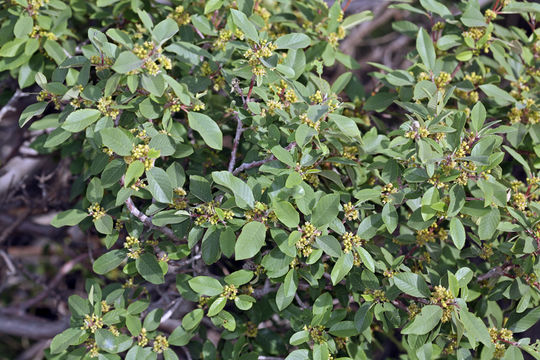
column 31, row 326
column 239, row 131
column 148, row 221
column 250, row 165
column 247, row 166
column 64, row 270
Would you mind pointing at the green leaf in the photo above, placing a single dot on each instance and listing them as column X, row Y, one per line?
column 488, row 223
column 110, row 343
column 192, row 319
column 139, row 353
column 164, row 30
column 355, row 19
column 66, row 338
column 478, row 116
column 436, row 8
column 109, row 261
column 133, row 173
column 206, row 285
column 346, row 125
column 523, row 322
column 329, row 245
column 250, row 241
column 498, row 95
column 117, row 140
column 159, row 185
column 299, row 337
column 153, row 319
column 126, row 62
column 518, row 158
column 298, row 355
column 425, row 48
column 69, row 218
column 287, row 290
column 475, row 329
column 293, row 41
column 423, row 323
column 31, row 111
column 457, row 232
column 286, row 213
column 412, row 284
column 179, row 337
column 148, row 267
column 366, row 258
column 326, row 210
column 23, row 26
column 104, row 224
column 55, row 51
column 207, row 128
column 241, row 20
column 390, row 217
column 343, row 329
column 212, row 5
column 217, row 306
column 283, row 155
column 243, row 196
column 342, row 267
column 239, row 277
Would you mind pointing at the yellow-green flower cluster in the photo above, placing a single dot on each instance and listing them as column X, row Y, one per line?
column 350, row 211
column 142, row 339
column 134, row 247
column 304, row 119
column 44, row 95
column 498, row 337
column 92, row 323
column 251, row 330
column 207, row 213
column 180, row 16
column 96, row 211
column 260, row 213
column 387, row 191
column 309, row 234
column 229, row 292
column 179, row 201
column 350, row 241
column 263, row 50
column 444, row 298
column 317, row 333
column 160, row 344
column 106, row 106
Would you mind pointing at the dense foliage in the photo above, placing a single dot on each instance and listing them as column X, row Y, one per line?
column 300, row 218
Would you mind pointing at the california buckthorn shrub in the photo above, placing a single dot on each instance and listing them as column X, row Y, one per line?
column 292, row 216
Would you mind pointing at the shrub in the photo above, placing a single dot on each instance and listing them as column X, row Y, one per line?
column 297, row 218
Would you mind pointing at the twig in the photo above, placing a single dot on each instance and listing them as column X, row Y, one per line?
column 247, row 166
column 239, row 131
column 31, row 326
column 148, row 221
column 10, row 106
column 14, row 225
column 186, row 352
column 251, row 85
column 9, row 264
column 64, row 270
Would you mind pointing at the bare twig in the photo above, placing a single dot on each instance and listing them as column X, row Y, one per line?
column 64, row 270
column 250, row 165
column 31, row 326
column 9, row 264
column 239, row 131
column 7, row 232
column 148, row 221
